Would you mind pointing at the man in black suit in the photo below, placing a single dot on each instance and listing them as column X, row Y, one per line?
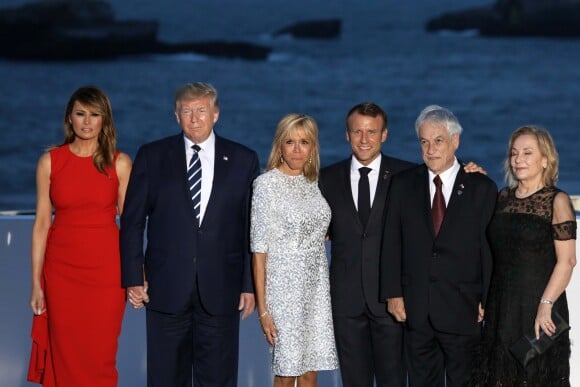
column 194, row 276
column 436, row 262
column 369, row 341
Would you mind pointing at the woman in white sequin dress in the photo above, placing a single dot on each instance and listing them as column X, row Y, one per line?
column 289, row 223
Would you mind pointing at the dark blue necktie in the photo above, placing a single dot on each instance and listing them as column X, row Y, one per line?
column 194, row 180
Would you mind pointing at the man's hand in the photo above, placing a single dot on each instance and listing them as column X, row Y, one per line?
column 247, row 304
column 471, row 167
column 396, row 307
column 480, row 313
column 137, row 295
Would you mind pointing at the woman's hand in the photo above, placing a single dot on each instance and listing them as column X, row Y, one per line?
column 268, row 327
column 544, row 320
column 37, row 300
column 137, row 295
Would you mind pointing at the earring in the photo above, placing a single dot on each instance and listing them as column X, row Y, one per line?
column 310, row 160
column 281, row 159
column 545, row 166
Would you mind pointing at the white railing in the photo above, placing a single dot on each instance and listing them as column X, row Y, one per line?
column 16, row 319
column 254, row 369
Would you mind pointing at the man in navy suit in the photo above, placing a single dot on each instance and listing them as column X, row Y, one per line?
column 194, row 276
column 435, row 270
column 369, row 341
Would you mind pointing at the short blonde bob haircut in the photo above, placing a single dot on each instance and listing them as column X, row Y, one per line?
column 547, row 149
column 287, row 125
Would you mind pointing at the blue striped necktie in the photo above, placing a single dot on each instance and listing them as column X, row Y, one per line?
column 194, row 181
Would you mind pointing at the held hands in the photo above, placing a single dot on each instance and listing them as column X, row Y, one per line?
column 37, row 301
column 137, row 295
column 544, row 320
column 396, row 307
column 268, row 327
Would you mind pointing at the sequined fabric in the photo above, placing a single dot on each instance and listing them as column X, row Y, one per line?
column 289, row 223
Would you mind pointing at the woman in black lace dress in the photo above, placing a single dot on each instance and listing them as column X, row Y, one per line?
column 532, row 235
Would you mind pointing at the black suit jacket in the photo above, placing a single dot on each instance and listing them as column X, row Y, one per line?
column 158, row 199
column 442, row 278
column 354, row 267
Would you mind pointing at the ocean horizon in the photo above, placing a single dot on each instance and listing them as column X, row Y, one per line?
column 384, row 54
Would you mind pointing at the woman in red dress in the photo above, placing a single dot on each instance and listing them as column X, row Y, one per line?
column 76, row 276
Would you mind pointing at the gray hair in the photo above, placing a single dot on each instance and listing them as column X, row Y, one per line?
column 439, row 115
column 191, row 91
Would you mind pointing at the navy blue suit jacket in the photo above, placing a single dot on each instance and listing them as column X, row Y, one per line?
column 217, row 252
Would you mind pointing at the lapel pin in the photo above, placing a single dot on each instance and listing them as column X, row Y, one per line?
column 386, row 174
column 225, row 158
column 459, row 191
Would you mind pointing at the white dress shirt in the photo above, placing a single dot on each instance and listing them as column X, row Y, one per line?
column 206, row 157
column 375, row 167
column 448, row 179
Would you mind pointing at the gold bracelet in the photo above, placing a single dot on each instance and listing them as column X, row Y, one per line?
column 546, row 301
column 263, row 314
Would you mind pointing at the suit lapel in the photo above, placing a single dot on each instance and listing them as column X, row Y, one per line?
column 454, row 204
column 457, row 195
column 347, row 190
column 177, row 162
column 383, row 183
column 424, row 195
column 220, row 172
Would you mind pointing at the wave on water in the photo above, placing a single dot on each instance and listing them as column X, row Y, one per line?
column 465, row 33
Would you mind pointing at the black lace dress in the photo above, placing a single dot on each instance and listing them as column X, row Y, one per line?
column 522, row 237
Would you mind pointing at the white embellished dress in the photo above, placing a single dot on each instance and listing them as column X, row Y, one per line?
column 289, row 223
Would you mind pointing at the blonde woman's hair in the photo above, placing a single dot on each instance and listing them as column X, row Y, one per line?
column 547, row 149
column 287, row 125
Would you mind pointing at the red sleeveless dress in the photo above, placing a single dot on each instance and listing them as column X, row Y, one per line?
column 84, row 299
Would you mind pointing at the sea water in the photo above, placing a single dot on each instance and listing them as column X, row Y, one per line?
column 384, row 55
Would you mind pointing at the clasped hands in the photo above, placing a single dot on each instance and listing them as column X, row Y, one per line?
column 137, row 295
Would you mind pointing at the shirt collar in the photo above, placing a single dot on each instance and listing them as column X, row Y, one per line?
column 204, row 145
column 375, row 165
column 448, row 176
